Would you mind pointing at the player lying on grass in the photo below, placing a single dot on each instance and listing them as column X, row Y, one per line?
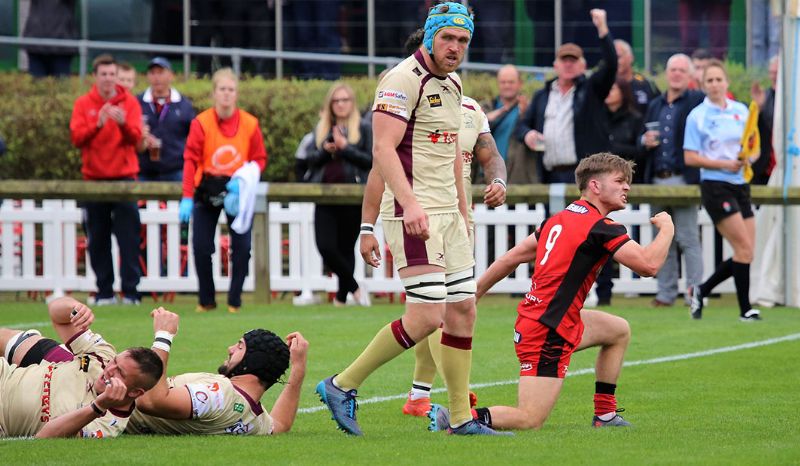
column 568, row 250
column 227, row 402
column 85, row 389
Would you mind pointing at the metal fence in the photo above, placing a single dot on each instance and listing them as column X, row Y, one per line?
column 525, row 32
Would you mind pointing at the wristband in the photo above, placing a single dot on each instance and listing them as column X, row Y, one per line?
column 165, row 335
column 163, row 341
column 97, row 409
column 158, row 344
column 501, row 182
column 367, row 229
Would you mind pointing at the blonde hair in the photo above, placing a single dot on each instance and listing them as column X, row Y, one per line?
column 223, row 73
column 600, row 164
column 327, row 119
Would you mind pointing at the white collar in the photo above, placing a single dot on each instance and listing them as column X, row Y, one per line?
column 174, row 95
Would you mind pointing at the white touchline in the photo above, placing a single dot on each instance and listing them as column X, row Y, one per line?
column 642, row 362
column 27, row 325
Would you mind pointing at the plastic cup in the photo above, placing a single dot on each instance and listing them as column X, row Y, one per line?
column 654, row 126
column 155, row 149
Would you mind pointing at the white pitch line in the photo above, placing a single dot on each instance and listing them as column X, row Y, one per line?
column 590, row 370
column 26, row 325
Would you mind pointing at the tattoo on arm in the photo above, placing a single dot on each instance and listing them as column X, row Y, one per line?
column 489, row 157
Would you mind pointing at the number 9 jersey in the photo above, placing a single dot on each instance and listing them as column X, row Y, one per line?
column 573, row 246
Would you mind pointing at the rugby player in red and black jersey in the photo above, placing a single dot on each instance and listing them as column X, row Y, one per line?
column 568, row 250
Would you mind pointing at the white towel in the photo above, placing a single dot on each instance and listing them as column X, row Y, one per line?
column 248, row 176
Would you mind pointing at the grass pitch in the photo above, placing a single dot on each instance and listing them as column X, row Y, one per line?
column 715, row 391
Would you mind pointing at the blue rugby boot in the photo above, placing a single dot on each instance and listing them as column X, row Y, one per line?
column 342, row 405
column 440, row 421
column 440, row 418
column 476, row 427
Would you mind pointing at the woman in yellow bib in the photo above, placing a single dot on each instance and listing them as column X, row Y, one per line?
column 224, row 144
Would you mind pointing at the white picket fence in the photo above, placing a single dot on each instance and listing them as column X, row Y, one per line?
column 42, row 249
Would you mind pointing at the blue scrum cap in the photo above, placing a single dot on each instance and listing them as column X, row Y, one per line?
column 446, row 15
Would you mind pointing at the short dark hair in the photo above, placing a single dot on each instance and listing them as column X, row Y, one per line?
column 150, row 365
column 701, row 54
column 103, row 59
column 600, row 164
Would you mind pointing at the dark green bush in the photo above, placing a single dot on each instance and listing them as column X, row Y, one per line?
column 34, row 116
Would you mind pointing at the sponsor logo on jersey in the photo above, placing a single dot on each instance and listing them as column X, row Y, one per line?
column 399, row 110
column 578, row 209
column 84, row 363
column 393, row 95
column 238, row 407
column 434, row 100
column 467, row 156
column 444, row 138
column 532, row 299
column 240, row 428
column 45, row 411
column 564, row 370
column 417, row 71
column 226, row 157
column 201, row 397
column 525, row 366
column 517, row 337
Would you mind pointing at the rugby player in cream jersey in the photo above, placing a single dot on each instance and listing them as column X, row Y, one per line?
column 477, row 143
column 83, row 388
column 227, row 402
column 416, row 120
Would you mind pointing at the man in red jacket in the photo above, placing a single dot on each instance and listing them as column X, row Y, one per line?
column 106, row 124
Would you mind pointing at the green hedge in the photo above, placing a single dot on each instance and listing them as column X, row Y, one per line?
column 34, row 116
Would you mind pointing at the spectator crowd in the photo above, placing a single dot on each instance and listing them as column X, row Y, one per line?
column 219, row 154
column 416, row 156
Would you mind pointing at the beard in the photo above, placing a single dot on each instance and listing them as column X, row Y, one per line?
column 223, row 369
column 442, row 64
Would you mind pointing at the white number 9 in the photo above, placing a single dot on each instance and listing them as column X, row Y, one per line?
column 551, row 241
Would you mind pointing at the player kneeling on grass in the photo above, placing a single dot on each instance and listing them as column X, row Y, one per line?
column 82, row 388
column 568, row 250
column 227, row 402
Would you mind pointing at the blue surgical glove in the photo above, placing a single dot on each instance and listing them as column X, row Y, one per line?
column 185, row 209
column 231, row 203
column 233, row 186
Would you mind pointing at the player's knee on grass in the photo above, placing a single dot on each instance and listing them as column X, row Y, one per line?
column 428, row 288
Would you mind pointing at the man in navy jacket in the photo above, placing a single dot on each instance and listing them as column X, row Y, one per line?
column 565, row 114
column 168, row 115
column 665, row 167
